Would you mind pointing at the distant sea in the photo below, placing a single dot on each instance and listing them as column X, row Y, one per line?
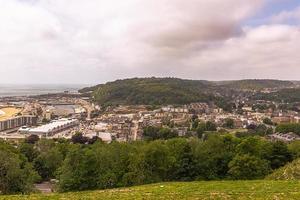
column 27, row 90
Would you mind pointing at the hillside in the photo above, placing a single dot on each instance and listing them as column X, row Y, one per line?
column 160, row 91
column 289, row 172
column 256, row 84
column 193, row 190
column 152, row 91
column 288, row 95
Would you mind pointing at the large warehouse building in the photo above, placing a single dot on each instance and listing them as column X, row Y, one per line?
column 52, row 128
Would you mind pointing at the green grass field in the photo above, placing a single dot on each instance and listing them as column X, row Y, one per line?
column 193, row 190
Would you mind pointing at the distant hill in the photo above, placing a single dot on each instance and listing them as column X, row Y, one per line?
column 256, row 84
column 289, row 172
column 260, row 189
column 160, row 91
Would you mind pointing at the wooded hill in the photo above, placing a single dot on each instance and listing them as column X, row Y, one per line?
column 160, row 91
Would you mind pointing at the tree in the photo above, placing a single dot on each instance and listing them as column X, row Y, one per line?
column 29, row 151
column 251, row 126
column 254, row 146
column 268, row 121
column 79, row 170
column 212, row 156
column 210, row 126
column 248, row 167
column 294, row 148
column 201, row 129
column 184, row 168
column 16, row 174
column 151, row 133
column 150, row 164
column 47, row 163
column 78, row 138
column 166, row 133
column 32, row 139
column 154, row 133
column 94, row 139
column 195, row 124
column 262, row 130
column 289, row 127
column 280, row 155
column 229, row 123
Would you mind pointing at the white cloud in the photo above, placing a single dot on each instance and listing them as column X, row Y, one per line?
column 286, row 16
column 98, row 40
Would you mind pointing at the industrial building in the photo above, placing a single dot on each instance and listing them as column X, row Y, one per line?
column 52, row 128
column 16, row 122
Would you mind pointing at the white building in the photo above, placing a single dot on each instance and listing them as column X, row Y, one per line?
column 104, row 136
column 53, row 127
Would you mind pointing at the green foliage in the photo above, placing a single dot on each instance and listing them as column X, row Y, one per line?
column 46, row 156
column 294, row 148
column 210, row 126
column 289, row 127
column 280, row 155
column 29, row 151
column 287, row 95
column 183, row 169
column 202, row 127
column 255, row 84
column 97, row 166
column 78, row 171
column 255, row 130
column 151, row 91
column 16, row 174
column 163, row 91
column 289, row 172
column 268, row 121
column 78, row 138
column 263, row 107
column 248, row 167
column 101, row 166
column 152, row 163
column 155, row 133
column 213, row 156
column 32, row 139
column 47, row 163
column 195, row 124
column 229, row 123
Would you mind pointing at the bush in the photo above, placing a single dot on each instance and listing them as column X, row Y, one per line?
column 247, row 167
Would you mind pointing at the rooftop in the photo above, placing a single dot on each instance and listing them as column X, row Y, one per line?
column 8, row 112
column 53, row 125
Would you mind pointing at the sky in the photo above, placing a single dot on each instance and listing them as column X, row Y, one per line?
column 95, row 41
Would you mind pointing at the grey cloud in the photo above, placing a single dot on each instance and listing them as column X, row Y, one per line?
column 99, row 40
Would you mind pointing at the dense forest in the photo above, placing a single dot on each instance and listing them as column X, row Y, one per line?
column 81, row 164
column 154, row 91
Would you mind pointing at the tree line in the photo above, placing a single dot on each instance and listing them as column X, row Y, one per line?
column 97, row 165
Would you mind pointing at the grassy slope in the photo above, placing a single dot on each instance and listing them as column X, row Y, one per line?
column 194, row 190
column 290, row 171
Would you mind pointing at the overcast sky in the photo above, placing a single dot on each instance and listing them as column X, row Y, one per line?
column 94, row 41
